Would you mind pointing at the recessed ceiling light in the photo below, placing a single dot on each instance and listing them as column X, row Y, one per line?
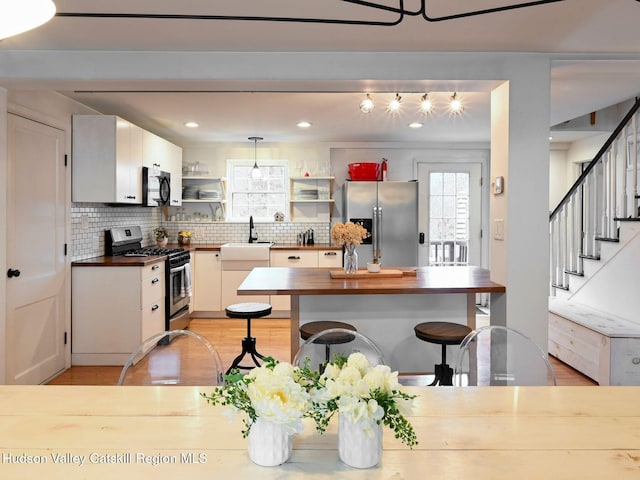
column 416, row 125
column 304, row 124
column 191, row 125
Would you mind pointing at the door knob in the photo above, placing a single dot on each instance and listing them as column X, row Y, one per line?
column 13, row 273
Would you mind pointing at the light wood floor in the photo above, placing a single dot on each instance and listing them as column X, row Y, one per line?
column 272, row 339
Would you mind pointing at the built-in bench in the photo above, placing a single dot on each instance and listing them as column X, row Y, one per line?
column 602, row 346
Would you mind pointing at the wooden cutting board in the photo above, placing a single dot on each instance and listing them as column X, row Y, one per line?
column 364, row 273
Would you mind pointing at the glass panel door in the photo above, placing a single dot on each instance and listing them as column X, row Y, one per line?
column 450, row 201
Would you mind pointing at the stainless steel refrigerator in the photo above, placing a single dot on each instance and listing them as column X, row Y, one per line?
column 389, row 212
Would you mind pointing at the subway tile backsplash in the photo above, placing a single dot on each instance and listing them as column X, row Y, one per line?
column 89, row 221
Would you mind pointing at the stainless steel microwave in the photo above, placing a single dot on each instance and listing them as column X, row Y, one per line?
column 156, row 187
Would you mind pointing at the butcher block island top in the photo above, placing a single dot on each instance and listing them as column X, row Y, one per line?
column 318, row 281
column 383, row 309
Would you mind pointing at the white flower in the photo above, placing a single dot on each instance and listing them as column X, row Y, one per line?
column 349, row 375
column 365, row 413
column 278, row 398
column 359, row 361
column 331, row 371
column 375, row 379
column 405, row 406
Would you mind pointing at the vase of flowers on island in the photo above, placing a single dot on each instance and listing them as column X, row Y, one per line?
column 275, row 398
column 162, row 236
column 349, row 235
column 365, row 398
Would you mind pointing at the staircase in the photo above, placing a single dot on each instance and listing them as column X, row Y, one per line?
column 594, row 304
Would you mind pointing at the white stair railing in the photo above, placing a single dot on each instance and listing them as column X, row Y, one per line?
column 606, row 191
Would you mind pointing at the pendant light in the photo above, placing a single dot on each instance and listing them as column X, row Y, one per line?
column 256, row 174
column 21, row 15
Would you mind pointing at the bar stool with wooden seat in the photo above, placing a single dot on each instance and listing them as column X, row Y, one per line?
column 308, row 330
column 442, row 333
column 249, row 311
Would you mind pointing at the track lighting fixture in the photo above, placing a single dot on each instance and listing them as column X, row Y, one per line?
column 426, row 106
column 455, row 105
column 367, row 105
column 394, row 105
column 256, row 174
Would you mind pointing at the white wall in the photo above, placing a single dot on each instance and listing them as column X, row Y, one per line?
column 585, row 149
column 559, row 179
column 312, row 158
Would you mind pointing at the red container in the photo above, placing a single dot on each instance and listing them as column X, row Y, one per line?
column 364, row 171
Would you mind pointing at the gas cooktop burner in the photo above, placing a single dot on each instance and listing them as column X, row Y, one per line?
column 146, row 252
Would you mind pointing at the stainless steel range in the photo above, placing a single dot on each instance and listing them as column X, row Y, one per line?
column 127, row 241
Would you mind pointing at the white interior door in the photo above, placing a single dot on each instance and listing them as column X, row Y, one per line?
column 35, row 248
column 450, row 213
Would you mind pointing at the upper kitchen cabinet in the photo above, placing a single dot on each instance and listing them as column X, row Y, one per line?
column 107, row 160
column 158, row 153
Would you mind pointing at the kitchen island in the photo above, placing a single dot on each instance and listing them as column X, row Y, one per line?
column 166, row 432
column 383, row 309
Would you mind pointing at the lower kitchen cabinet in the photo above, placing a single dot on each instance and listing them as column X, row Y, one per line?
column 301, row 259
column 207, row 281
column 113, row 310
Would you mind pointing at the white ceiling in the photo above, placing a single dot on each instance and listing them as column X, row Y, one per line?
column 596, row 43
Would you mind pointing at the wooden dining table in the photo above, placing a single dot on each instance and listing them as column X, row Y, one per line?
column 170, row 432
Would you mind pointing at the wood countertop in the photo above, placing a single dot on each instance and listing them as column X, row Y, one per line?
column 119, row 261
column 122, row 261
column 480, row 433
column 318, row 281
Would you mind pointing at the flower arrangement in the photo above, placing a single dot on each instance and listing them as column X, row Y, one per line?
column 348, row 233
column 366, row 395
column 160, row 233
column 274, row 391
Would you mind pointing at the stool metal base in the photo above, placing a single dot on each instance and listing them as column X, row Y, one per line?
column 443, row 375
column 248, row 348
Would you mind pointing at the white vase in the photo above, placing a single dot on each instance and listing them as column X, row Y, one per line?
column 269, row 443
column 356, row 447
column 162, row 242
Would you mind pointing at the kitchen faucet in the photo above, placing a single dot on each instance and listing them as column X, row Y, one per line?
column 253, row 235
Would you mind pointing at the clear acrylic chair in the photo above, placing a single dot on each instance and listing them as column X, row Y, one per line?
column 497, row 355
column 314, row 350
column 175, row 357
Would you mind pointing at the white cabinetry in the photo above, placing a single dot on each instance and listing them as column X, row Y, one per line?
column 207, row 281
column 300, row 259
column 161, row 154
column 107, row 160
column 311, row 198
column 113, row 310
column 330, row 258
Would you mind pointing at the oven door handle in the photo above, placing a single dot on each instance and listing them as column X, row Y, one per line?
column 178, row 269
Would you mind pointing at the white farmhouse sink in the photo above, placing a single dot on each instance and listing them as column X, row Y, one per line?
column 245, row 251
